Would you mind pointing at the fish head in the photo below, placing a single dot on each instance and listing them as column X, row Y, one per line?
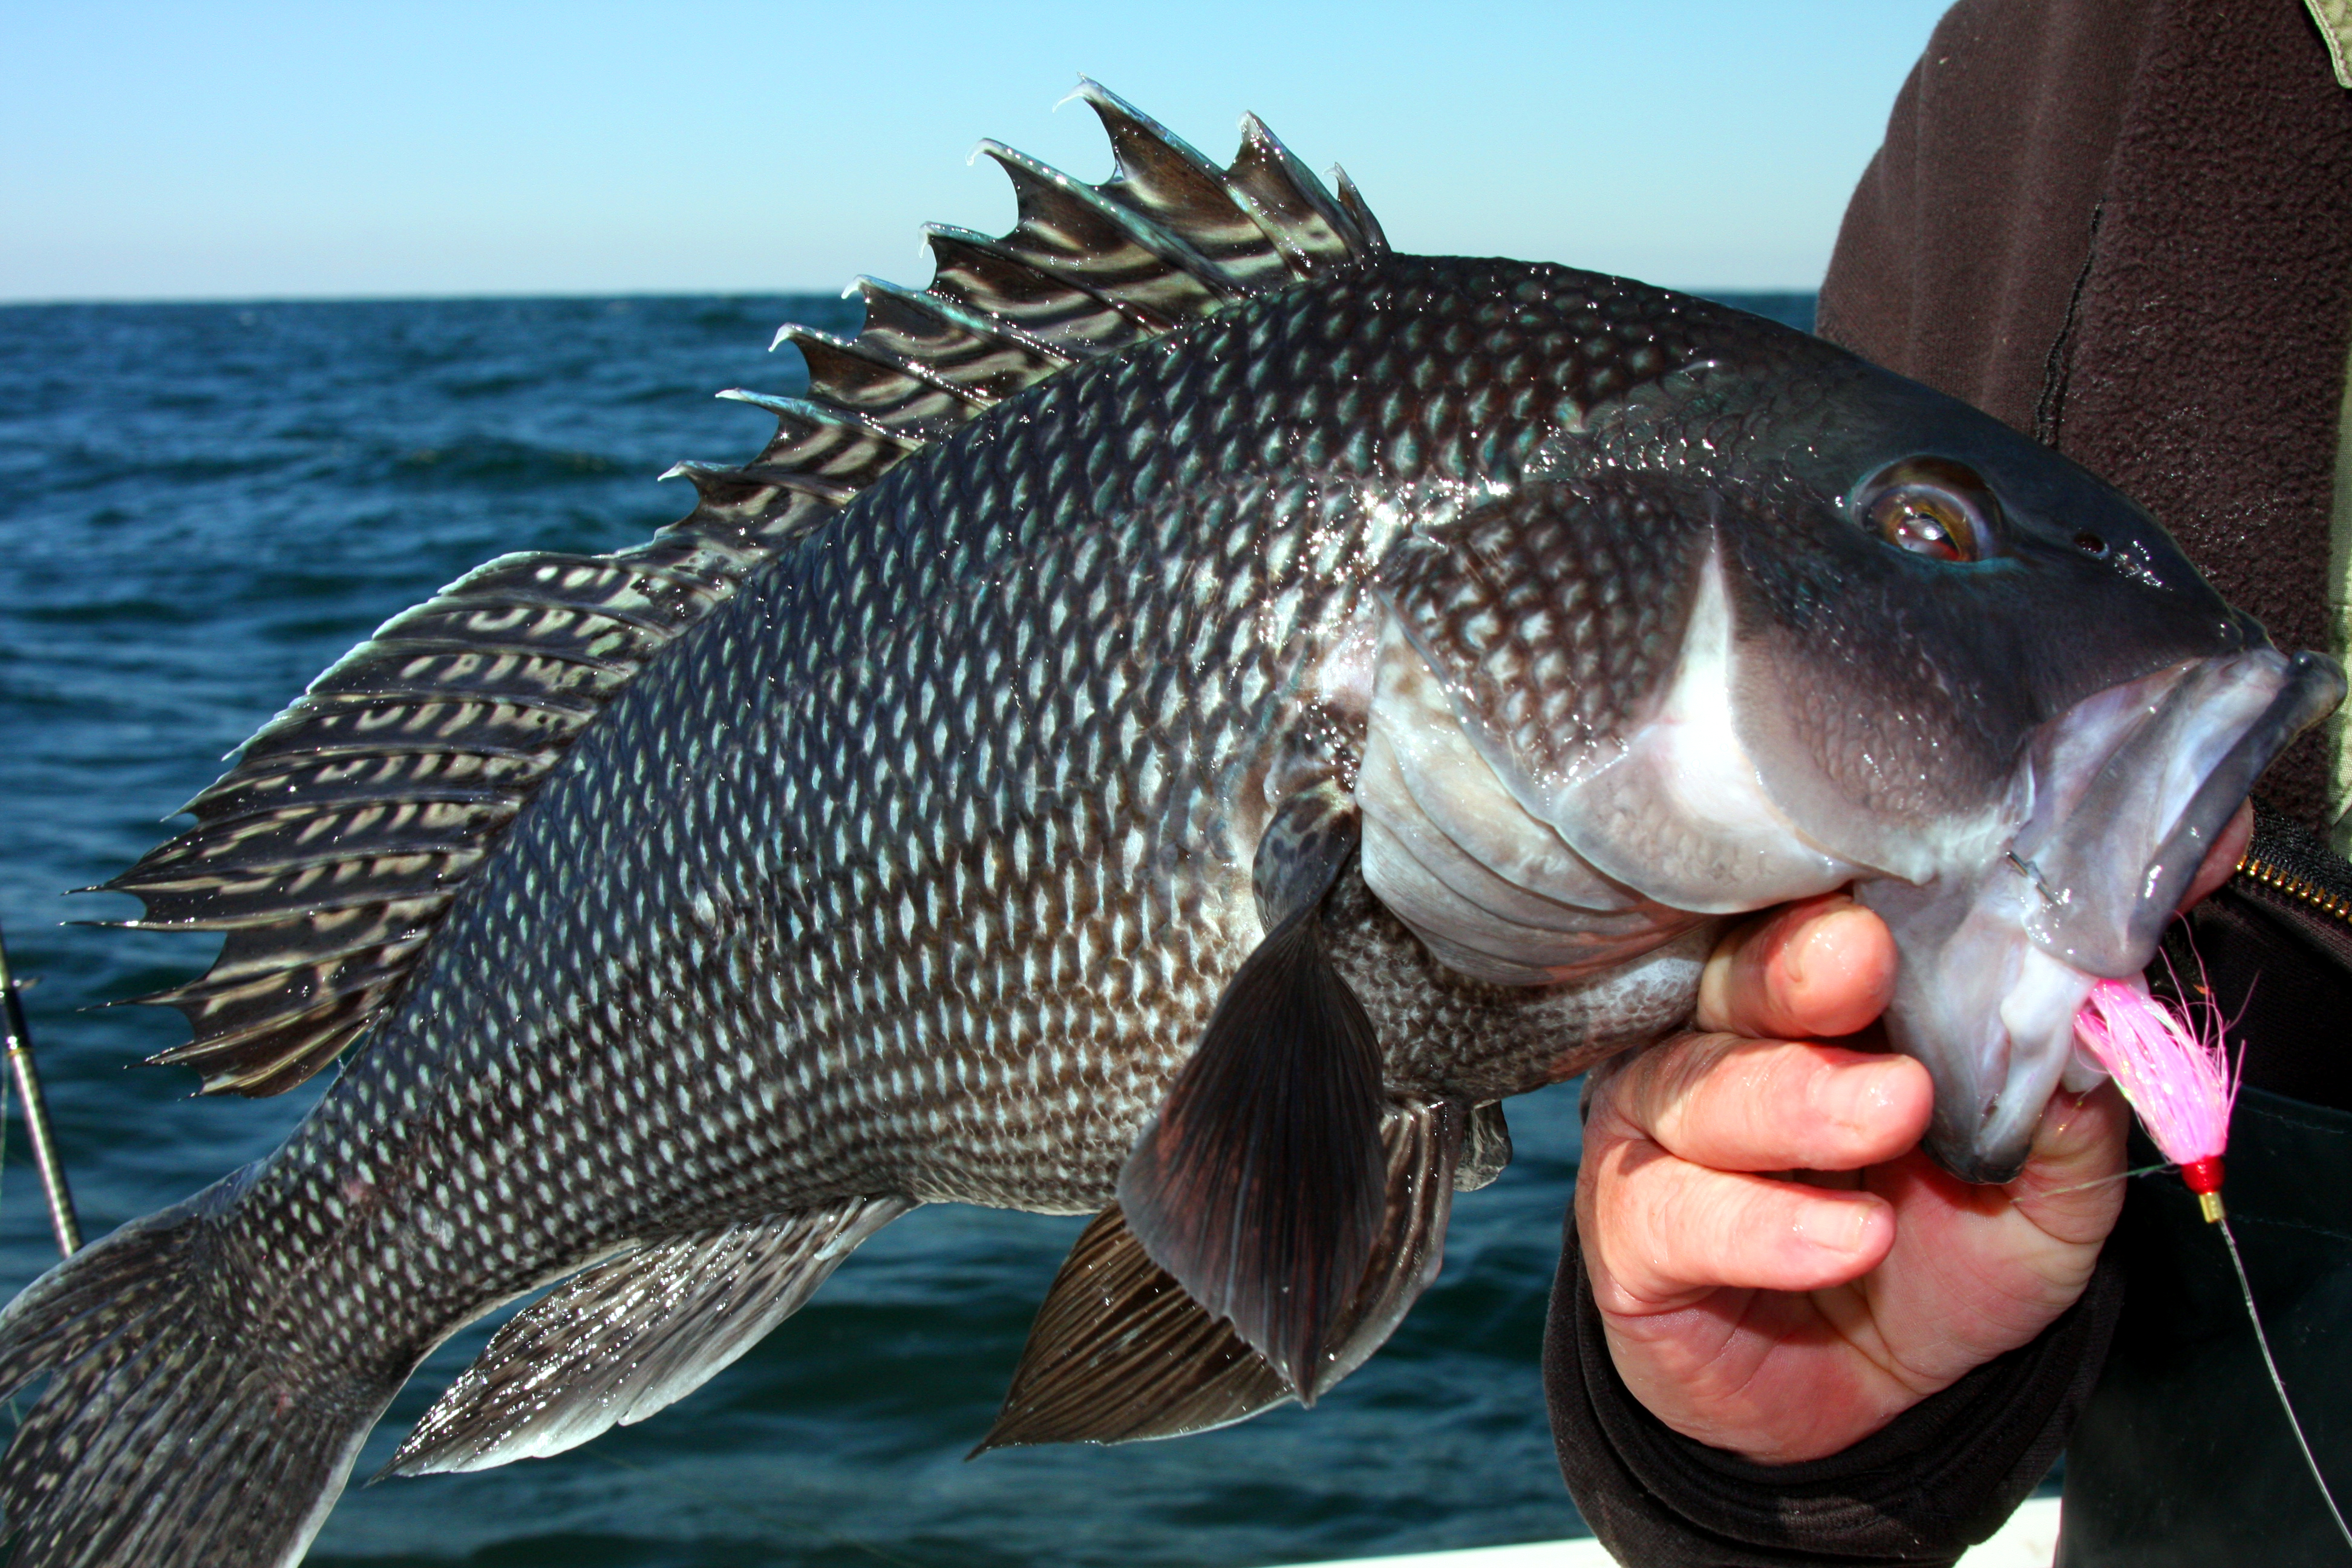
column 2002, row 692
column 1865, row 634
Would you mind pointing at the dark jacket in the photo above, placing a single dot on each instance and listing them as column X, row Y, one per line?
column 2126, row 228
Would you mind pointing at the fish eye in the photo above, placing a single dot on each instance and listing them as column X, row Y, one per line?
column 1925, row 523
column 1931, row 507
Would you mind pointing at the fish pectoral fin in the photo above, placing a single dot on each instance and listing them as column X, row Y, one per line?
column 620, row 1341
column 1258, row 1183
column 1120, row 1352
column 1305, row 846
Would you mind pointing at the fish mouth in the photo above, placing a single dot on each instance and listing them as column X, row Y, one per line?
column 2123, row 797
column 2143, row 777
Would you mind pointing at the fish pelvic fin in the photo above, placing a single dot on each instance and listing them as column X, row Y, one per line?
column 632, row 1335
column 1258, row 1184
column 1121, row 1352
column 167, row 1435
column 329, row 852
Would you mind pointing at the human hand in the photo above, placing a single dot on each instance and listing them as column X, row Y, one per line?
column 1780, row 1270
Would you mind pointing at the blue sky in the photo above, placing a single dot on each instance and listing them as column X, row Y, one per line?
column 230, row 150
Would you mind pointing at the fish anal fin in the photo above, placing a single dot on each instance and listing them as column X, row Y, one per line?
column 1120, row 1353
column 622, row 1340
column 1422, row 1141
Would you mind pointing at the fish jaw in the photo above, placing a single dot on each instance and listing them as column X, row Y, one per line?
column 2128, row 792
column 1987, row 1012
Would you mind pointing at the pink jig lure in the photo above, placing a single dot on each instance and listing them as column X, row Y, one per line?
column 2178, row 1076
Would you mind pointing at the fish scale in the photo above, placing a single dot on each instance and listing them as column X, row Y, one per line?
column 1189, row 713
column 751, row 858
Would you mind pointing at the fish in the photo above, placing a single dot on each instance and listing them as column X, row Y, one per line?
column 1192, row 709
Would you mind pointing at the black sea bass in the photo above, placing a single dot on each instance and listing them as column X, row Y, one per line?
column 1191, row 711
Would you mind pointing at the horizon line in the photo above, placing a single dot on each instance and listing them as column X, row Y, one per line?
column 432, row 296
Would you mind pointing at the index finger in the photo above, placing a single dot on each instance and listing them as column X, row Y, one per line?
column 1814, row 968
column 1733, row 1104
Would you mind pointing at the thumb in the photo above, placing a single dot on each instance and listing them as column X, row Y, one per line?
column 2071, row 1187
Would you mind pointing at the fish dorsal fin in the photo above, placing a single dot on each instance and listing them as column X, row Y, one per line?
column 1120, row 1353
column 618, row 1342
column 330, row 851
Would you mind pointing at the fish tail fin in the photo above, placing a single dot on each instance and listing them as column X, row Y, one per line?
column 168, row 1436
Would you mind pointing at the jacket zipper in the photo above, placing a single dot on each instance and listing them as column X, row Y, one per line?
column 2294, row 887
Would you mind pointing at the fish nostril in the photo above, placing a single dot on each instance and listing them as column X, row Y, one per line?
column 2090, row 544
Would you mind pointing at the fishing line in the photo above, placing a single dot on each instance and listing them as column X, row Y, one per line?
column 4, row 1133
column 2246, row 1290
column 2102, row 1181
column 2176, row 1073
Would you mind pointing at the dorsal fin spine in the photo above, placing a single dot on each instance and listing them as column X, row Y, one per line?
column 334, row 844
column 1122, row 121
column 705, row 476
column 1359, row 213
column 1133, row 312
column 1034, row 180
column 857, row 348
column 977, row 322
column 818, row 413
column 1159, row 172
column 1282, row 192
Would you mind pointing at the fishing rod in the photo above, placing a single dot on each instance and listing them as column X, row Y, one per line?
column 36, row 1113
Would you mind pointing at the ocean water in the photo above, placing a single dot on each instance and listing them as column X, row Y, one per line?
column 201, row 506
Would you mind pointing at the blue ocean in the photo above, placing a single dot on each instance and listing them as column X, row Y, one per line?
column 202, row 506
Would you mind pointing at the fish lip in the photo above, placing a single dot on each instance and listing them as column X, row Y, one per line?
column 1985, row 1170
column 2082, row 915
column 2313, row 686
